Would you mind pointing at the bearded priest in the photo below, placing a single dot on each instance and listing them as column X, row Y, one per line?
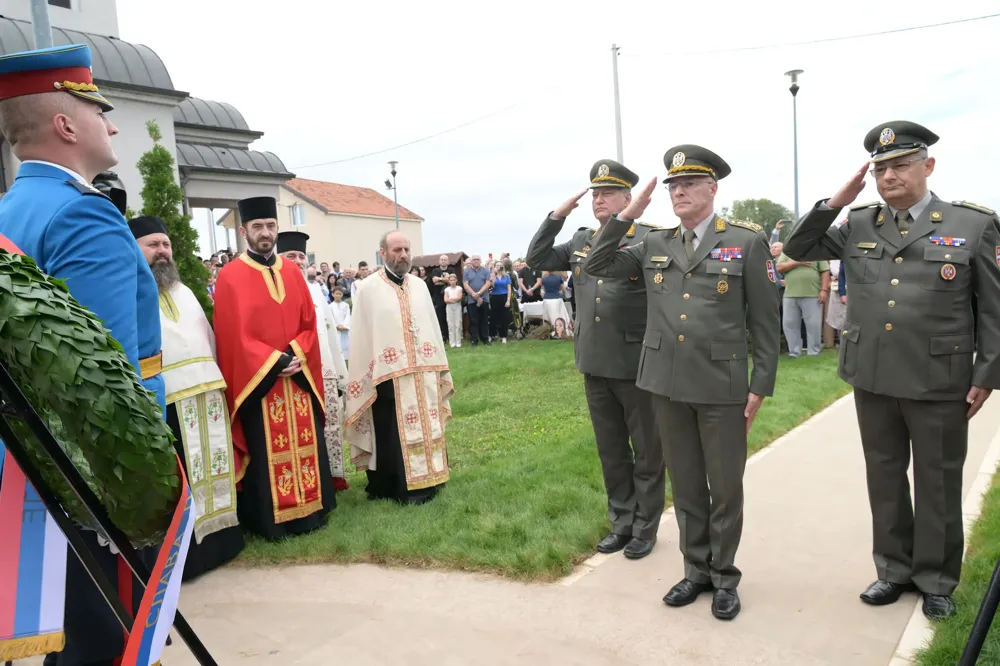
column 292, row 246
column 265, row 325
column 398, row 384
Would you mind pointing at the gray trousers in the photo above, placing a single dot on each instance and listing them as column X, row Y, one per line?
column 705, row 448
column 794, row 312
column 634, row 476
column 919, row 542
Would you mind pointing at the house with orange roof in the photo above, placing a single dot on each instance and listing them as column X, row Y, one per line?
column 344, row 222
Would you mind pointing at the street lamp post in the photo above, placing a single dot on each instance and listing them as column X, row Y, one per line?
column 395, row 199
column 794, row 89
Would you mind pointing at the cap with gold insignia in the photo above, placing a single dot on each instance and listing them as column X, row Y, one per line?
column 897, row 138
column 58, row 68
column 608, row 173
column 691, row 160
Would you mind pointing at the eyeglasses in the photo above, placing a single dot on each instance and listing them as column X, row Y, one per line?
column 898, row 167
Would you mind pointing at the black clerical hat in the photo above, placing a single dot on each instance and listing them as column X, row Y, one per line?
column 145, row 225
column 258, row 208
column 292, row 241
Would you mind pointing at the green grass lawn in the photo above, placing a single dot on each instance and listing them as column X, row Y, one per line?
column 984, row 550
column 526, row 497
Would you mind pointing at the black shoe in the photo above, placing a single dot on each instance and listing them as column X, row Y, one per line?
column 882, row 593
column 938, row 607
column 639, row 548
column 685, row 592
column 613, row 543
column 726, row 604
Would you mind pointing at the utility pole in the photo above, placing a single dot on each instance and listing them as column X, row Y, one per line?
column 794, row 89
column 618, row 107
column 40, row 24
column 395, row 199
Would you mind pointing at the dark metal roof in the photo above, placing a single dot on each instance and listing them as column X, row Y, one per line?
column 206, row 113
column 114, row 60
column 202, row 157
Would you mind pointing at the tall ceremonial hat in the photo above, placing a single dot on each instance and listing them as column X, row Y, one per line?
column 897, row 138
column 58, row 68
column 146, row 225
column 691, row 160
column 258, row 208
column 292, row 241
column 608, row 173
column 111, row 185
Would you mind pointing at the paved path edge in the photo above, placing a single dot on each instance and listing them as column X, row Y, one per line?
column 919, row 631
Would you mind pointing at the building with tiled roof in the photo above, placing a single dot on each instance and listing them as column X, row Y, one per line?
column 344, row 222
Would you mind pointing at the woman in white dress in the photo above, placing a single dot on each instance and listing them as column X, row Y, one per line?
column 342, row 317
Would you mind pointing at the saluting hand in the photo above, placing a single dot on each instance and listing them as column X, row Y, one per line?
column 850, row 191
column 638, row 205
column 976, row 398
column 567, row 207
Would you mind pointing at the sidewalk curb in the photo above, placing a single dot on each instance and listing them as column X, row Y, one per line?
column 919, row 631
column 587, row 566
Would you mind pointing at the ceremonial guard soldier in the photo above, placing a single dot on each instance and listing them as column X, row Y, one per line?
column 610, row 322
column 914, row 266
column 707, row 282
column 53, row 116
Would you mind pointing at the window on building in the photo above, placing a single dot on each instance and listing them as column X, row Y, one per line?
column 311, row 256
column 65, row 4
column 378, row 259
column 298, row 215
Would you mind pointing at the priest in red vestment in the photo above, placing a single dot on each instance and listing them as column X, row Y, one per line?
column 265, row 328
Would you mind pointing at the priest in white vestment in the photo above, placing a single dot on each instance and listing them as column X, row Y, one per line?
column 196, row 406
column 398, row 384
column 292, row 246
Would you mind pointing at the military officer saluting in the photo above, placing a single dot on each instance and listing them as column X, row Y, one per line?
column 914, row 264
column 610, row 322
column 52, row 115
column 707, row 282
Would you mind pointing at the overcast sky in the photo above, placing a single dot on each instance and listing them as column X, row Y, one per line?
column 327, row 81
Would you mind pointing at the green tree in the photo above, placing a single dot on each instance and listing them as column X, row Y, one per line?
column 764, row 212
column 163, row 197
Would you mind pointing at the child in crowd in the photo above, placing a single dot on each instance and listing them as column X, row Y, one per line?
column 342, row 315
column 453, row 296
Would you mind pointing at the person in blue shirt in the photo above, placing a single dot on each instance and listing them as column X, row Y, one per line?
column 500, row 303
column 53, row 117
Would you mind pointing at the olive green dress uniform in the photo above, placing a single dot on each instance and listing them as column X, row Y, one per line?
column 695, row 361
column 610, row 322
column 908, row 350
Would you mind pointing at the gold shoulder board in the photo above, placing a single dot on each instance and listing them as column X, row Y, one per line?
column 752, row 226
column 650, row 225
column 981, row 209
column 870, row 204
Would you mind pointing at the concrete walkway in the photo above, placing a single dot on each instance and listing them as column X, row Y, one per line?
column 805, row 556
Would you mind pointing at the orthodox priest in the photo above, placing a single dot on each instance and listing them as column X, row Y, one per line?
column 265, row 326
column 398, row 385
column 292, row 246
column 196, row 405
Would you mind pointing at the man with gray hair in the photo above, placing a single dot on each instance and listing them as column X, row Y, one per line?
column 398, row 385
column 439, row 278
column 476, row 282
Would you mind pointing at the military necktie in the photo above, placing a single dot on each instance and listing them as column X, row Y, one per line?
column 689, row 242
column 903, row 221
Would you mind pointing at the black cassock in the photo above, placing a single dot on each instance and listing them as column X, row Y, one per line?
column 255, row 504
column 217, row 548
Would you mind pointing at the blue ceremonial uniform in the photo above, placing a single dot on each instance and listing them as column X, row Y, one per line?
column 75, row 233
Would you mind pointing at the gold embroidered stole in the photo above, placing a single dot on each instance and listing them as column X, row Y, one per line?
column 292, row 460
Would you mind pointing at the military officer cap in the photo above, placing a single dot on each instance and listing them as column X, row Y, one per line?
column 146, row 225
column 258, row 208
column 897, row 138
column 608, row 173
column 59, row 68
column 691, row 160
column 292, row 241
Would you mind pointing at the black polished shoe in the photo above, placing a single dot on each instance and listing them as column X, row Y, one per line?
column 613, row 543
column 883, row 593
column 639, row 548
column 685, row 592
column 937, row 607
column 726, row 604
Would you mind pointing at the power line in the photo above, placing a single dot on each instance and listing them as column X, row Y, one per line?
column 641, row 55
column 826, row 40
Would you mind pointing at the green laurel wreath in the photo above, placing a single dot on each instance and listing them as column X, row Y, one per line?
column 80, row 382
